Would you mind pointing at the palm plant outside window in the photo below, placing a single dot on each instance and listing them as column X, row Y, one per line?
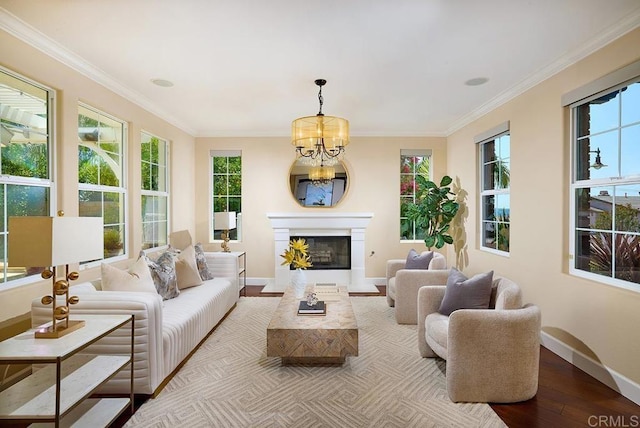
column 26, row 148
column 227, row 189
column 495, row 195
column 412, row 164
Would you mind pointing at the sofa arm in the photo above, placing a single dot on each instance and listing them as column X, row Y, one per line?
column 493, row 355
column 394, row 266
column 147, row 310
column 407, row 283
column 429, row 300
column 224, row 265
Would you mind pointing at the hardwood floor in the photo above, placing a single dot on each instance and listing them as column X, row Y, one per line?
column 567, row 397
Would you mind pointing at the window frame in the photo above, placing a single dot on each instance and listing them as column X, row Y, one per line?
column 14, row 180
column 235, row 235
column 156, row 193
column 121, row 190
column 603, row 86
column 412, row 153
column 491, row 136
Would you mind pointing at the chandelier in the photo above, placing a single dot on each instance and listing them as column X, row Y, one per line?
column 320, row 175
column 320, row 139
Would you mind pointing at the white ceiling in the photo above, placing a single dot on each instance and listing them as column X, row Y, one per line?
column 247, row 67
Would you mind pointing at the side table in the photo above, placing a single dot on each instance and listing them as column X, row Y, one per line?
column 59, row 391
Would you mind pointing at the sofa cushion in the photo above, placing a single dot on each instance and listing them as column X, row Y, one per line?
column 163, row 272
column 187, row 273
column 437, row 332
column 201, row 262
column 187, row 319
column 391, row 290
column 137, row 278
column 418, row 261
column 466, row 293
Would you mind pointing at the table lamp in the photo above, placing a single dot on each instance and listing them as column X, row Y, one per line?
column 49, row 242
column 224, row 221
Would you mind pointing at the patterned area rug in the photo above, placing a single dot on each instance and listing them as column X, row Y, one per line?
column 230, row 382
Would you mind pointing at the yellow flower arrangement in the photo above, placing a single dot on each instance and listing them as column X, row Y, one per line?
column 296, row 255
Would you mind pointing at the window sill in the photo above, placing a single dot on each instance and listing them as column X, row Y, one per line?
column 604, row 280
column 496, row 252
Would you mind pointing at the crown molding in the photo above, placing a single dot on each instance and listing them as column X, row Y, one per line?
column 28, row 34
column 621, row 28
column 31, row 36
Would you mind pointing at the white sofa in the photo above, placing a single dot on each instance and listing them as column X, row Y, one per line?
column 166, row 332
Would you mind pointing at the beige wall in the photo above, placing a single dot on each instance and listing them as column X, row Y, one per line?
column 373, row 165
column 594, row 318
column 71, row 88
column 599, row 320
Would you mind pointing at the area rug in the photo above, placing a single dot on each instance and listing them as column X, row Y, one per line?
column 230, row 382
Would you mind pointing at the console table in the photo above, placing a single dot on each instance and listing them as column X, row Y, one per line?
column 58, row 392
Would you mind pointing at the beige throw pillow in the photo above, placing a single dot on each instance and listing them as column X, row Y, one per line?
column 137, row 278
column 187, row 269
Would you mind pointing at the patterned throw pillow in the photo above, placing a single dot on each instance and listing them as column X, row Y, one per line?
column 201, row 262
column 163, row 272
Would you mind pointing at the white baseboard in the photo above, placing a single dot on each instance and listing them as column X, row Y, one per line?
column 609, row 377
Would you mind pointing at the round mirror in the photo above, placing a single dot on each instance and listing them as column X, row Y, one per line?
column 317, row 187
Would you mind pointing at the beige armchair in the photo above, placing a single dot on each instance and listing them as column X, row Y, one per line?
column 403, row 285
column 492, row 355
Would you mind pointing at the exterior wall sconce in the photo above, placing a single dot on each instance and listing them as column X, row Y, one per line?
column 598, row 163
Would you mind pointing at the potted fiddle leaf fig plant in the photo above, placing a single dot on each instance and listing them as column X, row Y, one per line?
column 435, row 208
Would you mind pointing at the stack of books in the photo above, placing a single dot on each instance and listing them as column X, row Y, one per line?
column 318, row 309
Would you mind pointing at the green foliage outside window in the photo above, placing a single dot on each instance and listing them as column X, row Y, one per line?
column 410, row 168
column 100, row 172
column 154, row 184
column 24, row 159
column 227, row 188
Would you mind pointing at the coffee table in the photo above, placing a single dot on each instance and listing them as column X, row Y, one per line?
column 313, row 339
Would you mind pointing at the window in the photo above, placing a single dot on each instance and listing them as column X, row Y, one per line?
column 26, row 151
column 412, row 164
column 495, row 178
column 154, row 155
column 606, row 184
column 101, row 169
column 226, row 169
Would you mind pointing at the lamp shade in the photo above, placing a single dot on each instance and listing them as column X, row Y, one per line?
column 224, row 220
column 54, row 241
column 333, row 130
column 322, row 173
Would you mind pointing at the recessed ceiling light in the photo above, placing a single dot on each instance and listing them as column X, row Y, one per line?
column 162, row 82
column 477, row 81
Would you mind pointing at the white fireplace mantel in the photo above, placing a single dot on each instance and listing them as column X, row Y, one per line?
column 287, row 225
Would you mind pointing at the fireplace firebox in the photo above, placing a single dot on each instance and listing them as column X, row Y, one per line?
column 329, row 252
